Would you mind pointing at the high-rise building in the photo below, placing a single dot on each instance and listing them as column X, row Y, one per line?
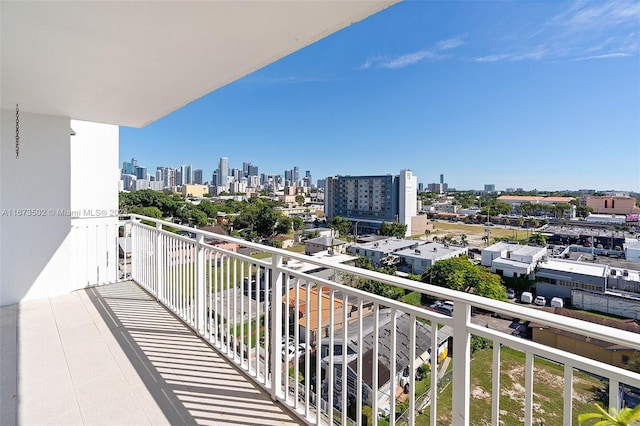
column 371, row 200
column 223, row 171
column 140, row 172
column 129, row 168
column 296, row 175
column 186, row 174
column 197, row 176
column 442, row 179
column 245, row 169
column 489, row 188
column 253, row 170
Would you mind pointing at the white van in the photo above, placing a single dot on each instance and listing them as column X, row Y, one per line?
column 557, row 302
column 526, row 297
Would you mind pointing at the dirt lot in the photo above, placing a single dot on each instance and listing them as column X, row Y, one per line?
column 474, row 233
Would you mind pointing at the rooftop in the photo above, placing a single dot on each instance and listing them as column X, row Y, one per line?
column 387, row 245
column 432, row 251
column 583, row 268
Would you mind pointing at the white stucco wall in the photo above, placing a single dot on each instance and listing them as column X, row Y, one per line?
column 41, row 249
column 407, row 202
column 94, row 196
column 34, row 250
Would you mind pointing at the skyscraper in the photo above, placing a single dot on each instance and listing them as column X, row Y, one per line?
column 187, row 175
column 223, row 171
column 441, row 179
column 129, row 168
column 197, row 176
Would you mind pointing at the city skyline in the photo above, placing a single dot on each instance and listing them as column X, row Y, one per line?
column 530, row 95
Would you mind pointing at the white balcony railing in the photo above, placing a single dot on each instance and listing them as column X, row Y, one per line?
column 243, row 306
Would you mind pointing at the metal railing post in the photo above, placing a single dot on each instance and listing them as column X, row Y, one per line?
column 200, row 288
column 275, row 293
column 462, row 363
column 159, row 252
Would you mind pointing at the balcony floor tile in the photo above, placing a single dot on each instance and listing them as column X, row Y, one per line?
column 112, row 355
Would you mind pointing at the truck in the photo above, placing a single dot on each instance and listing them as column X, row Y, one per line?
column 557, row 302
column 526, row 297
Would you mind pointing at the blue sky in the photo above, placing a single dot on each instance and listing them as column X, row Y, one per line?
column 533, row 94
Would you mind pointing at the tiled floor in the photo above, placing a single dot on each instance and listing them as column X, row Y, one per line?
column 111, row 355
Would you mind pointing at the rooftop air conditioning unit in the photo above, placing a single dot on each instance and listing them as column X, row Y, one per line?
column 417, row 251
column 613, row 272
column 625, row 273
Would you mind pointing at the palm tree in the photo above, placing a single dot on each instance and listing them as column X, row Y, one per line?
column 624, row 417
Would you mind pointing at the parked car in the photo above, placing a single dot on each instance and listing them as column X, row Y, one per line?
column 511, row 293
column 540, row 301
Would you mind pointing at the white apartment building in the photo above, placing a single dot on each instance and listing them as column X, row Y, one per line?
column 512, row 259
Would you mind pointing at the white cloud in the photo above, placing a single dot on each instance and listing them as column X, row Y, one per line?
column 491, row 58
column 404, row 60
column 449, row 43
column 605, row 56
column 408, row 59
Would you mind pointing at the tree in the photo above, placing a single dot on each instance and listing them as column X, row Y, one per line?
column 463, row 240
column 393, row 229
column 340, row 224
column 538, row 239
column 297, row 223
column 584, row 211
column 208, row 208
column 265, row 221
column 284, row 225
column 624, row 417
column 300, row 200
column 153, row 212
column 459, row 274
column 199, row 218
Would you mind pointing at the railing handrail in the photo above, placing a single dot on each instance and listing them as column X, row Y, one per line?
column 588, row 329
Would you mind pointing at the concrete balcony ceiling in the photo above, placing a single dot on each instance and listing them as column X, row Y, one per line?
column 131, row 63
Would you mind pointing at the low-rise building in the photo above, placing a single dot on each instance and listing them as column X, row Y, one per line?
column 512, row 259
column 378, row 250
column 194, row 190
column 632, row 250
column 611, row 204
column 516, row 200
column 324, row 243
column 595, row 349
column 387, row 381
column 557, row 277
column 421, row 258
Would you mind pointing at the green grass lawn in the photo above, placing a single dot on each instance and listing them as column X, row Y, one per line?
column 548, row 391
column 462, row 228
column 244, row 329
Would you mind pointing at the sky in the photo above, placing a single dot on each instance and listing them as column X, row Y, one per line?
column 534, row 94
